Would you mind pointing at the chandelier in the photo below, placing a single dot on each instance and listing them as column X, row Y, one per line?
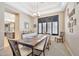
column 35, row 10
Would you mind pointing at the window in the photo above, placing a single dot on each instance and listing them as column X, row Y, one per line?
column 55, row 28
column 49, row 25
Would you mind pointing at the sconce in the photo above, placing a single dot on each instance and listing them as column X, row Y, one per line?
column 34, row 25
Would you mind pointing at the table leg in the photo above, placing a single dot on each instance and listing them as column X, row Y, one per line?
column 32, row 51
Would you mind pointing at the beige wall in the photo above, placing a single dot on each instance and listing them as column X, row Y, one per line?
column 1, row 25
column 24, row 18
column 72, row 39
column 35, row 21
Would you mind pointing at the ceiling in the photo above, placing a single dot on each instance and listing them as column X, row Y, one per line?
column 42, row 7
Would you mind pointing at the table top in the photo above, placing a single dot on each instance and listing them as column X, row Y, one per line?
column 32, row 41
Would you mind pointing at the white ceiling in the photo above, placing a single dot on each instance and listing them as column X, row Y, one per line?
column 42, row 7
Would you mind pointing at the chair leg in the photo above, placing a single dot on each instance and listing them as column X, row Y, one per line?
column 32, row 51
column 43, row 53
column 47, row 47
column 62, row 40
column 57, row 40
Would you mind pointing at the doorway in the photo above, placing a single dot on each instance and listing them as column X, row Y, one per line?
column 9, row 20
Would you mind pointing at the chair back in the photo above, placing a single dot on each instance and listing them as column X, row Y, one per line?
column 61, row 34
column 46, row 42
column 14, row 47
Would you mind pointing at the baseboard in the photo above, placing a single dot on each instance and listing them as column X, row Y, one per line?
column 68, row 48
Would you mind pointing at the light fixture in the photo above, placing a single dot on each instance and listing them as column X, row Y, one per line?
column 36, row 12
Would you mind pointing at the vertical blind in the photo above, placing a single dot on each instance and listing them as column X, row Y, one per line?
column 54, row 27
column 40, row 28
column 44, row 27
column 48, row 25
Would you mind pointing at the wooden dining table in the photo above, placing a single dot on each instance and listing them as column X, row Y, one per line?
column 32, row 42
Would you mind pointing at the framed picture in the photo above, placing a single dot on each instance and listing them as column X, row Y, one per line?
column 69, row 24
column 77, row 3
column 72, row 30
column 72, row 12
column 26, row 25
column 67, row 11
column 71, row 19
column 34, row 25
column 74, row 21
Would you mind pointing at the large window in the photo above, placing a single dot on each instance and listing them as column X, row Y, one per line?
column 49, row 25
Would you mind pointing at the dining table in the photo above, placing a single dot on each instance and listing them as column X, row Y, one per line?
column 33, row 41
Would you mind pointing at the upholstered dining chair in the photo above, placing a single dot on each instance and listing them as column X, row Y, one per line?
column 41, row 47
column 23, row 51
column 60, row 38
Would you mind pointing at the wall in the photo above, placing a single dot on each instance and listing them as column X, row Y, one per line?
column 1, row 25
column 35, row 21
column 72, row 39
column 26, row 19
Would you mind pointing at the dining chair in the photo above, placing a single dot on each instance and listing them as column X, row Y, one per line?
column 23, row 51
column 40, row 48
column 60, row 38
